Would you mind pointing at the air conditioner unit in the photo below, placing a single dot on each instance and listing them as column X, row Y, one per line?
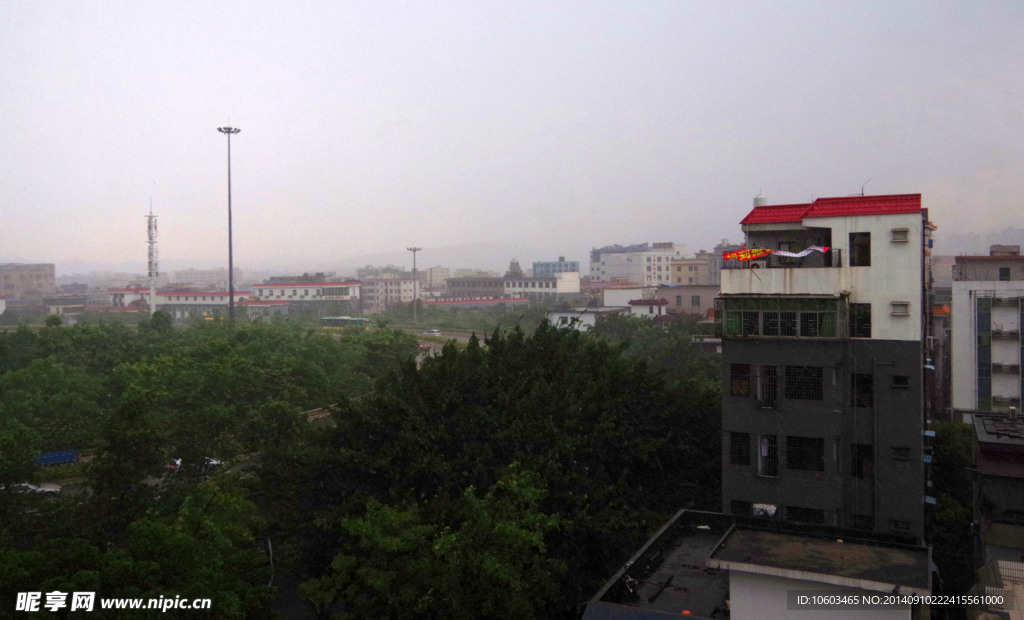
column 758, row 264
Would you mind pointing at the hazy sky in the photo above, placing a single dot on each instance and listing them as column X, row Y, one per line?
column 371, row 126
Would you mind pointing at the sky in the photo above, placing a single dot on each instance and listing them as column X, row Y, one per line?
column 543, row 128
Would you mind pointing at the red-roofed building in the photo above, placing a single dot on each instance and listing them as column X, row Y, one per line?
column 824, row 337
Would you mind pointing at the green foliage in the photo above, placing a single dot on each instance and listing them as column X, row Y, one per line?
column 53, row 321
column 612, row 445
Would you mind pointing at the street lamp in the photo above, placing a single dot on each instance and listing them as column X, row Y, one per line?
column 414, row 298
column 231, row 257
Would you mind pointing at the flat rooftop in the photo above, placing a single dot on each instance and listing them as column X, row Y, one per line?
column 839, row 561
column 685, row 566
column 675, row 556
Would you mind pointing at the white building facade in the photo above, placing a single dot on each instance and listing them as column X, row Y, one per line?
column 987, row 351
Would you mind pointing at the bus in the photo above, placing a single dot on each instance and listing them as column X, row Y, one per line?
column 344, row 321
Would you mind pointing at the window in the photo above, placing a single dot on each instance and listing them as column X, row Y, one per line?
column 805, row 515
column 787, row 323
column 860, row 320
column 691, row 281
column 739, row 448
column 695, row 301
column 900, row 308
column 862, row 460
column 862, row 390
column 1004, row 274
column 766, row 386
column 810, row 324
column 804, row 382
column 749, row 325
column 679, row 300
column 900, row 235
column 742, row 508
column 860, row 249
column 901, row 381
column 768, row 456
column 806, row 453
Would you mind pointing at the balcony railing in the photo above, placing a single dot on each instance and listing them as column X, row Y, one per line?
column 814, row 260
column 1005, row 334
column 1010, row 369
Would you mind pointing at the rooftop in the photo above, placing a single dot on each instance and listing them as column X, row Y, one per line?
column 835, row 207
column 684, row 568
column 867, row 565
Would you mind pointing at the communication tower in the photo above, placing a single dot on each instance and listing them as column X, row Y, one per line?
column 154, row 263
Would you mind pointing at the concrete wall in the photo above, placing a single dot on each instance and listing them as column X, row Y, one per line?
column 897, row 488
column 894, row 275
column 765, row 598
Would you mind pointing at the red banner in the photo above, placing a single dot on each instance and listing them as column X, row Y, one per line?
column 746, row 254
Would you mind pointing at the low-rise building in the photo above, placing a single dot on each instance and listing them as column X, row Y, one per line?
column 561, row 286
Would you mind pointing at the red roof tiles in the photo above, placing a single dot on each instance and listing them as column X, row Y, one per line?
column 835, row 207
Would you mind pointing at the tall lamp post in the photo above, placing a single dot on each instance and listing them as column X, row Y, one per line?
column 414, row 280
column 231, row 257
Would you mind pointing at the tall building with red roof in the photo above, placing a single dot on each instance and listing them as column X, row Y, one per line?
column 824, row 341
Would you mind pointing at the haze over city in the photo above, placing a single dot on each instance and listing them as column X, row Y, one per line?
column 541, row 129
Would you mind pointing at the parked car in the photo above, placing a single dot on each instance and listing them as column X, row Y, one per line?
column 432, row 332
column 44, row 488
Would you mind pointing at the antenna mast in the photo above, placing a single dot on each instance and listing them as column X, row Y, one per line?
column 154, row 263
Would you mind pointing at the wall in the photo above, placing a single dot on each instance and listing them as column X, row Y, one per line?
column 895, row 273
column 964, row 336
column 899, row 483
column 765, row 597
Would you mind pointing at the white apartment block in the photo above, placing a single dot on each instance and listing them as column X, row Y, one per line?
column 987, row 351
column 640, row 264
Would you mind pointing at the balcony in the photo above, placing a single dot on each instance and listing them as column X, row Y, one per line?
column 1005, row 334
column 822, row 318
column 814, row 260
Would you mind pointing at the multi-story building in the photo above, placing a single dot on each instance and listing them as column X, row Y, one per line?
column 634, row 264
column 204, row 279
column 823, row 356
column 18, row 280
column 562, row 286
column 690, row 270
column 689, row 298
column 550, row 268
column 316, row 294
column 988, row 312
column 379, row 294
column 474, row 287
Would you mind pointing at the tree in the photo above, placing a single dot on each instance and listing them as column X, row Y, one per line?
column 53, row 320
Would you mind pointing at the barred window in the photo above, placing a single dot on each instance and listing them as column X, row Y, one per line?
column 742, row 508
column 804, row 382
column 739, row 380
column 810, row 324
column 787, row 323
column 768, row 456
column 805, row 515
column 739, row 448
column 750, row 324
column 806, row 453
column 862, row 392
column 766, row 386
column 860, row 320
column 862, row 460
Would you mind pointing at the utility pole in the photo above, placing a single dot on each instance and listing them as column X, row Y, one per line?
column 414, row 281
column 229, row 131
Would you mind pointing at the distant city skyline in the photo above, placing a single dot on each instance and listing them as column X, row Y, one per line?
column 370, row 127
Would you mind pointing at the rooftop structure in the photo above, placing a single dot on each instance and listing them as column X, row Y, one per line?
column 710, row 565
